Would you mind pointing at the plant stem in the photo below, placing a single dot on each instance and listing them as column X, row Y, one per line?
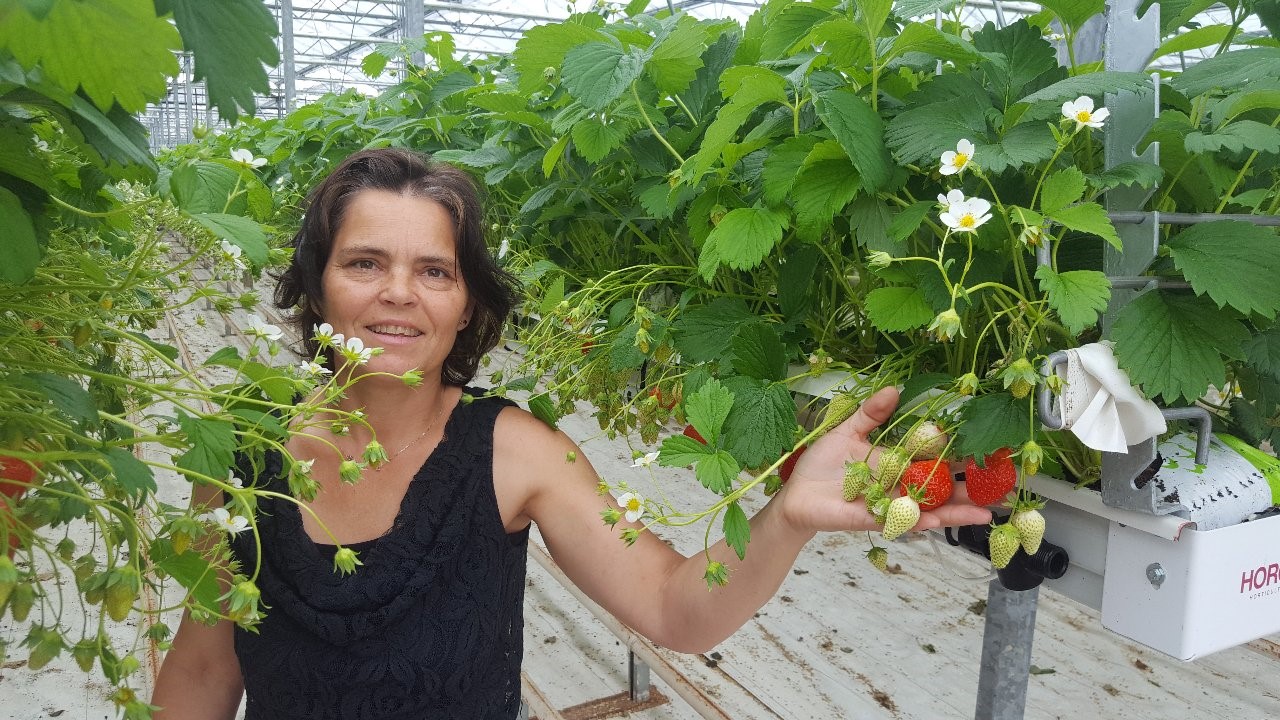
column 652, row 128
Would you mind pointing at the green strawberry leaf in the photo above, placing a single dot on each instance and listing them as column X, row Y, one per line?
column 1145, row 175
column 203, row 187
column 1235, row 138
column 859, row 130
column 925, row 38
column 1088, row 218
column 1073, row 13
column 1232, row 262
column 744, row 237
column 737, row 531
column 1234, row 69
column 921, row 134
column 717, row 472
column 786, row 28
column 20, row 252
column 595, row 139
column 782, row 165
column 544, row 46
column 990, row 422
column 232, row 41
column 796, row 282
column 703, row 334
column 70, row 46
column 1172, row 345
column 707, row 409
column 133, row 475
column 1262, row 351
column 762, row 424
column 542, row 407
column 1076, row 295
column 68, row 396
column 190, row 569
column 676, row 58
column 1096, row 84
column 823, row 187
column 1061, row 189
column 213, row 446
column 758, row 352
column 682, row 451
column 897, row 309
column 240, row 231
column 746, row 88
column 1021, row 145
column 597, row 73
column 374, row 63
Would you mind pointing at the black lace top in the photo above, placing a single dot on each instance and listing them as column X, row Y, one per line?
column 429, row 628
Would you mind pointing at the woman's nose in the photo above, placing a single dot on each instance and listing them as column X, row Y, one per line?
column 397, row 287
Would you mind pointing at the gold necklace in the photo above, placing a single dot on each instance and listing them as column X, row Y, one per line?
column 411, row 443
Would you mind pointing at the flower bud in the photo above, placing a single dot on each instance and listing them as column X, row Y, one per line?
column 967, row 384
column 374, row 454
column 349, row 472
column 946, row 325
column 1032, row 456
column 345, row 561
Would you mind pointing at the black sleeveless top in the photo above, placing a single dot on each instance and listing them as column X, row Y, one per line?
column 429, row 628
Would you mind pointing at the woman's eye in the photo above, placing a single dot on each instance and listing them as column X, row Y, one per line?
column 362, row 264
column 437, row 273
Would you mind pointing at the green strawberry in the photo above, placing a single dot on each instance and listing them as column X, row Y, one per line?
column 925, row 441
column 878, row 557
column 122, row 590
column 8, row 578
column 902, row 515
column 1030, row 526
column 893, row 462
column 857, row 476
column 1032, row 455
column 21, row 601
column 840, row 408
column 1003, row 544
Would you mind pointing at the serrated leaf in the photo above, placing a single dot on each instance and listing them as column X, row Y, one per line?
column 374, row 63
column 737, row 531
column 990, row 422
column 1236, row 137
column 922, row 134
column 1061, row 189
column 717, row 472
column 203, row 187
column 19, row 252
column 707, row 409
column 542, row 407
column 69, row 47
column 544, row 46
column 897, row 309
column 1022, row 145
column 797, row 279
column 233, row 42
column 758, row 352
column 746, row 88
column 1233, row 262
column 1172, row 345
column 682, row 451
column 1088, row 218
column 68, row 396
column 762, row 423
column 744, row 237
column 213, row 446
column 1257, row 96
column 1262, row 351
column 239, row 231
column 133, row 475
column 859, row 130
column 1076, row 295
column 676, row 58
column 263, row 422
column 1235, row 69
column 1015, row 56
column 597, row 73
column 1093, row 84
column 782, row 165
column 190, row 569
column 1142, row 174
column 554, row 155
column 702, row 334
column 823, row 187
column 787, row 27
column 594, row 139
column 925, row 38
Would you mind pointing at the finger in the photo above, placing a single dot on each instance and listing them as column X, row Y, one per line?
column 871, row 414
column 953, row 515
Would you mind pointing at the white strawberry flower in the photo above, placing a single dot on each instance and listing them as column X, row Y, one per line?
column 263, row 329
column 235, row 482
column 1081, row 111
column 246, row 158
column 951, row 198
column 232, row 254
column 225, row 521
column 645, row 460
column 42, row 145
column 632, row 505
column 955, row 161
column 504, row 248
column 355, row 351
column 966, row 216
column 325, row 336
column 313, row 369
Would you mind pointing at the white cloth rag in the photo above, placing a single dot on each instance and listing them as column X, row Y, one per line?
column 1101, row 406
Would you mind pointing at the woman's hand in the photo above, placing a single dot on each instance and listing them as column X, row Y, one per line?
column 812, row 499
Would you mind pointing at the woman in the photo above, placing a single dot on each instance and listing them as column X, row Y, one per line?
column 391, row 251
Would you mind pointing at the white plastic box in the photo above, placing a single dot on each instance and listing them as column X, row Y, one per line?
column 1198, row 593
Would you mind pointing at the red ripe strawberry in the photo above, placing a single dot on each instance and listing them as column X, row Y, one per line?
column 933, row 477
column 988, row 485
column 689, row 431
column 789, row 465
column 667, row 401
column 20, row 471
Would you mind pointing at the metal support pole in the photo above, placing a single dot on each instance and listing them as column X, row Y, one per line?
column 289, row 68
column 188, row 97
column 638, row 677
column 414, row 27
column 1006, row 652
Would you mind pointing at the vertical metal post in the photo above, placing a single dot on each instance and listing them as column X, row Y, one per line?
column 524, row 711
column 290, row 69
column 189, row 63
column 414, row 27
column 638, row 677
column 1006, row 652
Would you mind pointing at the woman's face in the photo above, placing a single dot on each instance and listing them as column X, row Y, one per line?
column 393, row 281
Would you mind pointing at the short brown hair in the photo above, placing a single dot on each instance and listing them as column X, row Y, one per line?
column 492, row 290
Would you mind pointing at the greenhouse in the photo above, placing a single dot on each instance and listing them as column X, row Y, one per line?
column 664, row 359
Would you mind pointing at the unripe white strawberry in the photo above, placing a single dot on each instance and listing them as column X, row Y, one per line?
column 878, row 557
column 903, row 514
column 857, row 476
column 839, row 409
column 925, row 441
column 893, row 462
column 1030, row 525
column 1003, row 544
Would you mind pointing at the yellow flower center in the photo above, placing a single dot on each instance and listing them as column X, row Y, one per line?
column 961, row 160
column 633, row 504
column 1084, row 116
column 968, row 221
